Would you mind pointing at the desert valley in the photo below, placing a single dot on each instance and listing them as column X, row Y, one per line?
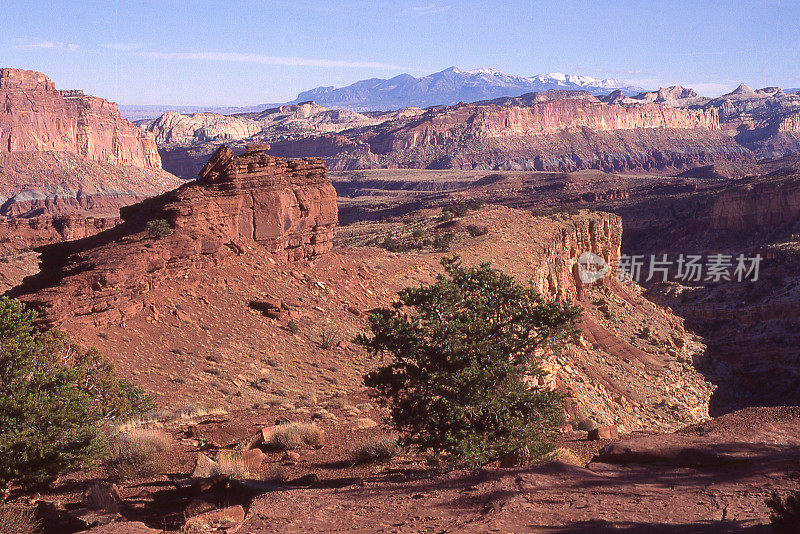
column 225, row 291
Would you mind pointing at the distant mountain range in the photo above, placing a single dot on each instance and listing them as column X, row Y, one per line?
column 451, row 86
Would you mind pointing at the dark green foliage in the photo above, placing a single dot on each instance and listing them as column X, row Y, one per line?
column 477, row 230
column 441, row 242
column 51, row 395
column 785, row 516
column 292, row 326
column 158, row 228
column 461, row 351
column 460, row 209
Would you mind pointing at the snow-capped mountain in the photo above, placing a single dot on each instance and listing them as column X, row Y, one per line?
column 451, row 86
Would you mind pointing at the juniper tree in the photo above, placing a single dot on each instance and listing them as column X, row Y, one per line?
column 463, row 351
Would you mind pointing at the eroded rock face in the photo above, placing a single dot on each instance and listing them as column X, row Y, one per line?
column 289, row 207
column 548, row 131
column 239, row 204
column 35, row 117
column 63, row 152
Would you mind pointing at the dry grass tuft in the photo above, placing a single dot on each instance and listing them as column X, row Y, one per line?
column 380, row 449
column 296, row 435
column 234, row 465
column 562, row 454
column 135, row 454
column 16, row 519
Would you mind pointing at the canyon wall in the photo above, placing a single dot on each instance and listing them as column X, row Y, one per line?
column 35, row 117
column 534, row 132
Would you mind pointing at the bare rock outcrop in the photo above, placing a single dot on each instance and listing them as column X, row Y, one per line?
column 237, row 204
column 67, row 152
column 36, row 117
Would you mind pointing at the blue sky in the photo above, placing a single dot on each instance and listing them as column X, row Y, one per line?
column 230, row 52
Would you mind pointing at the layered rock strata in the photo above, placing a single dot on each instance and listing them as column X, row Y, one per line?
column 241, row 203
column 67, row 152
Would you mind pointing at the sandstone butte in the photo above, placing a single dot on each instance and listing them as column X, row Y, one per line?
column 286, row 207
column 67, row 152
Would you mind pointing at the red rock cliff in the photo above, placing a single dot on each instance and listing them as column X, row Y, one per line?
column 239, row 205
column 35, row 117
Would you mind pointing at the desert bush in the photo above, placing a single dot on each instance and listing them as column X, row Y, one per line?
column 135, row 453
column 15, row 519
column 47, row 416
column 562, row 454
column 785, row 516
column 441, row 241
column 274, row 400
column 380, row 449
column 329, row 338
column 477, row 230
column 297, row 435
column 158, row 228
column 456, row 385
column 292, row 326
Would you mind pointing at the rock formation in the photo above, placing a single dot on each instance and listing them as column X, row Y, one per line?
column 556, row 130
column 35, row 117
column 237, row 204
column 66, row 152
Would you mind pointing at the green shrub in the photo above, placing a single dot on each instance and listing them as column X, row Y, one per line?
column 52, row 393
column 785, row 516
column 158, row 228
column 292, row 326
column 441, row 242
column 46, row 419
column 477, row 230
column 457, row 383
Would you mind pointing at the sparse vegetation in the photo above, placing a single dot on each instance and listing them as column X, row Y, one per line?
column 476, row 230
column 785, row 515
column 158, row 228
column 329, row 338
column 17, row 519
column 456, row 384
column 134, row 453
column 292, row 326
column 441, row 241
column 297, row 435
column 235, row 465
column 51, row 395
column 380, row 449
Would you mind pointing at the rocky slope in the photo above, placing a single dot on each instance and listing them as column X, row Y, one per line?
column 66, row 151
column 125, row 292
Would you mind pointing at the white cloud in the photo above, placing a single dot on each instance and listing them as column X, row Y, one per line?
column 124, row 47
column 30, row 44
column 271, row 60
column 429, row 9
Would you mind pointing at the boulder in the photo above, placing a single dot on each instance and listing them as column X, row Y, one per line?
column 604, row 432
column 204, row 467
